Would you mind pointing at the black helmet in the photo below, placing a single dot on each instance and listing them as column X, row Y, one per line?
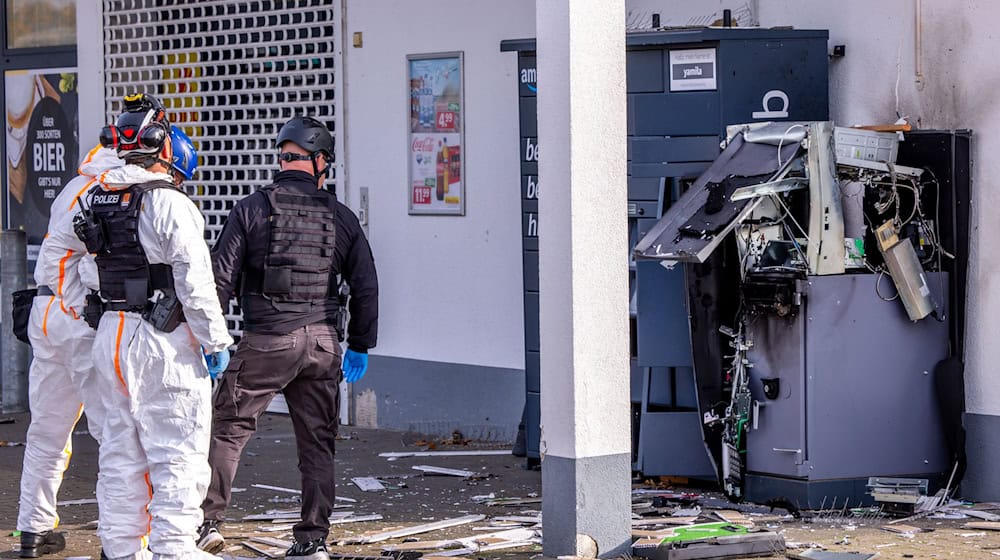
column 308, row 133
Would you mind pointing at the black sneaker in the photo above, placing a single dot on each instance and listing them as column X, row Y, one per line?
column 209, row 538
column 309, row 550
column 33, row 545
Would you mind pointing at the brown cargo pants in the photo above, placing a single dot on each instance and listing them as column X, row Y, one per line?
column 304, row 365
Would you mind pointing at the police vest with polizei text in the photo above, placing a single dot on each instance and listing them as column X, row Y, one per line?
column 302, row 239
column 125, row 274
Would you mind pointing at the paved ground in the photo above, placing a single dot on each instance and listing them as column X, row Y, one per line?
column 270, row 460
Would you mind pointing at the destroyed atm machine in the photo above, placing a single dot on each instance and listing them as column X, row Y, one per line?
column 847, row 250
column 684, row 87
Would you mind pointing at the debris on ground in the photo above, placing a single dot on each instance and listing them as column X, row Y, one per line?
column 428, row 469
column 709, row 540
column 415, row 530
column 82, row 502
column 983, row 525
column 368, row 484
column 824, row 555
column 391, row 455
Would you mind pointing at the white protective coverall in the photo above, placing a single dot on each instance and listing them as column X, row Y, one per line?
column 61, row 376
column 157, row 392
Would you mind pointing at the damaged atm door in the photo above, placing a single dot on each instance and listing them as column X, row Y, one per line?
column 760, row 165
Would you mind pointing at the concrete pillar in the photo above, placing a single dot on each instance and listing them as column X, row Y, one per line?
column 14, row 361
column 90, row 68
column 585, row 443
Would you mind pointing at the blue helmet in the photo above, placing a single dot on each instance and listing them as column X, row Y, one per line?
column 185, row 160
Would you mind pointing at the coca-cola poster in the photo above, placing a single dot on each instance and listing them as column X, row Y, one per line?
column 436, row 134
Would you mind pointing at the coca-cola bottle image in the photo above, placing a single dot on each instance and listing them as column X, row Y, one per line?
column 455, row 171
column 443, row 171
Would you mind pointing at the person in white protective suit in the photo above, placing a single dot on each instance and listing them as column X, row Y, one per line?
column 60, row 378
column 162, row 322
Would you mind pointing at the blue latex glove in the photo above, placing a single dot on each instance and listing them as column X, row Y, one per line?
column 355, row 365
column 217, row 363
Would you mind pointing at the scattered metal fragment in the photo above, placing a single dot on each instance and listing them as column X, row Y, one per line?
column 824, row 555
column 268, row 552
column 294, row 491
column 509, row 501
column 428, row 469
column 356, row 519
column 404, row 454
column 672, row 520
column 983, row 525
column 279, row 543
column 407, row 531
column 368, row 484
column 84, row 501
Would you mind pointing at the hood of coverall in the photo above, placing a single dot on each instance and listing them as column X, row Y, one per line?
column 98, row 161
column 124, row 176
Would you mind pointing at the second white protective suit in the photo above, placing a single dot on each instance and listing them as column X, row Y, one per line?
column 154, row 452
column 61, row 377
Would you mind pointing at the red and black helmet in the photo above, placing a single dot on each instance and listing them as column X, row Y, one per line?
column 141, row 129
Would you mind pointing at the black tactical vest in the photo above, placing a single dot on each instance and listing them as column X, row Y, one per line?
column 127, row 279
column 302, row 236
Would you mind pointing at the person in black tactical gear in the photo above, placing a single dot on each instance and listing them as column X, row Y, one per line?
column 281, row 250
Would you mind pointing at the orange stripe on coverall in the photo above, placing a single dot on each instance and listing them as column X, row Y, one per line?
column 45, row 318
column 79, row 194
column 149, row 486
column 90, row 156
column 118, row 350
column 62, row 278
column 68, row 451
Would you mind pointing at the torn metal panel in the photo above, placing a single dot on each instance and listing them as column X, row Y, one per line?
column 773, row 133
column 826, row 216
column 698, row 222
column 879, row 166
column 770, row 188
column 415, row 530
column 746, row 545
column 428, row 469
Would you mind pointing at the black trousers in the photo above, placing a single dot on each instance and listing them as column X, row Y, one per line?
column 304, row 365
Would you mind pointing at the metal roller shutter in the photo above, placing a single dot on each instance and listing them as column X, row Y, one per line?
column 230, row 73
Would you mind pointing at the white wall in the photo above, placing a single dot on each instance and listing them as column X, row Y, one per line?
column 450, row 287
column 959, row 72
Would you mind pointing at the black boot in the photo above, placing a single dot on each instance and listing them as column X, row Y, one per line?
column 34, row 545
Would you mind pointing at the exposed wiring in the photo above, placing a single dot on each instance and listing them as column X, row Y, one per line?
column 782, row 140
column 882, row 273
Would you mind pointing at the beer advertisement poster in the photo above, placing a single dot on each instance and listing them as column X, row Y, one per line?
column 42, row 146
column 436, row 134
